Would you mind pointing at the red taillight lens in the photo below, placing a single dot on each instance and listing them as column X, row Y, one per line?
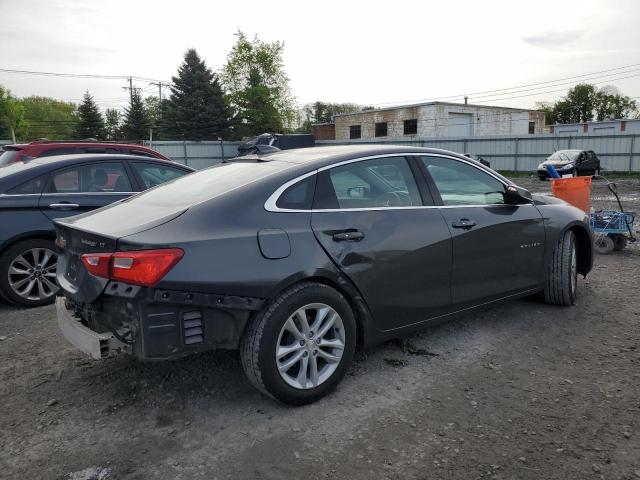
column 138, row 267
column 97, row 263
column 143, row 267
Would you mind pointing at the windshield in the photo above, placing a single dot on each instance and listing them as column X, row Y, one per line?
column 565, row 155
column 7, row 157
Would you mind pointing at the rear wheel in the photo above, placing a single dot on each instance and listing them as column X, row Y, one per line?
column 603, row 244
column 619, row 242
column 300, row 347
column 28, row 273
column 562, row 272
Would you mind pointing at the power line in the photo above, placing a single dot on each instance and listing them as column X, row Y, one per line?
column 80, row 75
column 512, row 88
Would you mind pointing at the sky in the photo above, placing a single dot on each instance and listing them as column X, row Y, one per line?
column 368, row 52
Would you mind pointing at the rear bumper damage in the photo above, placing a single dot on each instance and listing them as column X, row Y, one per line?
column 154, row 324
column 97, row 345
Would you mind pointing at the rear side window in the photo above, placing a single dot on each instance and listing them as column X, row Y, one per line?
column 153, row 174
column 100, row 177
column 28, row 188
column 298, row 196
column 377, row 183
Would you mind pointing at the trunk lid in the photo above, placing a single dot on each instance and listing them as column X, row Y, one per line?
column 98, row 232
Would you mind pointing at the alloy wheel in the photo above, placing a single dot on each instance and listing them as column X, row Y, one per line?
column 310, row 346
column 32, row 274
column 574, row 270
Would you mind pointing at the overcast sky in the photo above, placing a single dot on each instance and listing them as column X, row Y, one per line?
column 367, row 52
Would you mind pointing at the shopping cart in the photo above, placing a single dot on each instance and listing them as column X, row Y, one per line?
column 612, row 229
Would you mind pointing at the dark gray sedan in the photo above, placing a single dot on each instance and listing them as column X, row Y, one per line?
column 296, row 257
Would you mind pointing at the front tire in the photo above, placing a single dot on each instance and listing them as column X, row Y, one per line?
column 562, row 272
column 298, row 349
column 28, row 273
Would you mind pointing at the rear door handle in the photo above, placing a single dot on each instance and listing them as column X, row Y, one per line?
column 64, row 206
column 350, row 236
column 464, row 223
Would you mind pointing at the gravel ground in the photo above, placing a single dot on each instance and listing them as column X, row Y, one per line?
column 523, row 390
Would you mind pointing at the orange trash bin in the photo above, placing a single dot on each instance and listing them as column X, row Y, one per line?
column 574, row 190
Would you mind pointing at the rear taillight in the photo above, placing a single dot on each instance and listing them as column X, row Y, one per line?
column 138, row 267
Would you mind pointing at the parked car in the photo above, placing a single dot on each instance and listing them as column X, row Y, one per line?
column 269, row 142
column 34, row 193
column 571, row 162
column 44, row 148
column 478, row 158
column 296, row 256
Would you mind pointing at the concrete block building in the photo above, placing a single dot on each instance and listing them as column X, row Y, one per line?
column 437, row 119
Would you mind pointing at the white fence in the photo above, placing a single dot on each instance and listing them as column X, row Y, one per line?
column 619, row 152
column 197, row 155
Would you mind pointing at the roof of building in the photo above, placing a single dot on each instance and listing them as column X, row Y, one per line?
column 423, row 104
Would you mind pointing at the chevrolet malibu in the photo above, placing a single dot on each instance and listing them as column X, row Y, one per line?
column 296, row 257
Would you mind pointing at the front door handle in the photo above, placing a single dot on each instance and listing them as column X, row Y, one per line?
column 464, row 223
column 349, row 236
column 64, row 206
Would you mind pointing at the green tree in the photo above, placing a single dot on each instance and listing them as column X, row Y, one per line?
column 584, row 102
column 90, row 121
column 136, row 121
column 257, row 87
column 323, row 112
column 196, row 108
column 112, row 124
column 611, row 104
column 48, row 118
column 11, row 113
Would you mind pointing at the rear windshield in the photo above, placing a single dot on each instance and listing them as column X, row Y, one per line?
column 209, row 183
column 7, row 157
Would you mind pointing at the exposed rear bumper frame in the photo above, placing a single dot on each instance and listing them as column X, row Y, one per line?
column 98, row 345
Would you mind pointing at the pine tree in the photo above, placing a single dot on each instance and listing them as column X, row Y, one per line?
column 136, row 121
column 90, row 121
column 196, row 109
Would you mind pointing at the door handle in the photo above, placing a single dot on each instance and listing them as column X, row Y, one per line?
column 464, row 223
column 64, row 206
column 350, row 236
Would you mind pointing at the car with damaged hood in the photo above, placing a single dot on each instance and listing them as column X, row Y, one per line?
column 296, row 257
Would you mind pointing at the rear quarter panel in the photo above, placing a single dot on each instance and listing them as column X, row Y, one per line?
column 21, row 218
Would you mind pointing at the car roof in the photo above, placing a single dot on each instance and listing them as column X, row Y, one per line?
column 318, row 157
column 46, row 164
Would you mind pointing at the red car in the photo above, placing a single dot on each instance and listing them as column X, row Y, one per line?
column 26, row 151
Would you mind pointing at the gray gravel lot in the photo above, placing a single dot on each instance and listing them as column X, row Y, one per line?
column 520, row 391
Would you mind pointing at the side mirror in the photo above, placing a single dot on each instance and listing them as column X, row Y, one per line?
column 514, row 195
column 357, row 192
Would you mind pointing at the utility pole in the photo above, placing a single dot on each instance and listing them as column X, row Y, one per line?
column 160, row 84
column 130, row 88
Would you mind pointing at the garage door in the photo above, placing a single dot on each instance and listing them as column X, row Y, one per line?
column 460, row 125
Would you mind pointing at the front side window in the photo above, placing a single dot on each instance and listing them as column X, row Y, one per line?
column 96, row 177
column 153, row 174
column 462, row 184
column 377, row 183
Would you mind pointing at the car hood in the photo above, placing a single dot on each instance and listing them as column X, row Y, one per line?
column 556, row 162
